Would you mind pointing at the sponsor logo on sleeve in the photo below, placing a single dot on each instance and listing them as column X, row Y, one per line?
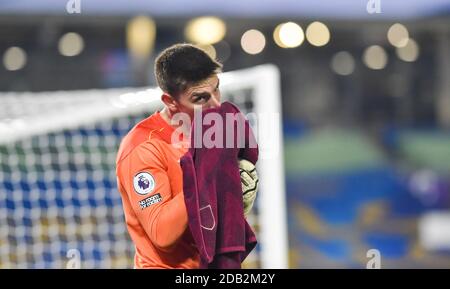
column 147, row 202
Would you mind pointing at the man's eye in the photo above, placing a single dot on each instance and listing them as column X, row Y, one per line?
column 202, row 98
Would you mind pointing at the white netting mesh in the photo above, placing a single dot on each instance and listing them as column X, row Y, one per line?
column 59, row 193
column 57, row 175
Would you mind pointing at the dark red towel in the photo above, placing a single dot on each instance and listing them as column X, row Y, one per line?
column 213, row 194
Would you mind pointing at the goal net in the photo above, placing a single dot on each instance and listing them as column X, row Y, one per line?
column 58, row 196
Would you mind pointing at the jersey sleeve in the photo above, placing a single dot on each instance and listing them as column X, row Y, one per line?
column 161, row 213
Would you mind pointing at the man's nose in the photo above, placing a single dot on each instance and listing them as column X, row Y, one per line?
column 214, row 102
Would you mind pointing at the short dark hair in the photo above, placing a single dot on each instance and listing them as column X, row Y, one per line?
column 183, row 65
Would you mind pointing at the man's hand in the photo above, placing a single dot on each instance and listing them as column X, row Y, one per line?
column 249, row 182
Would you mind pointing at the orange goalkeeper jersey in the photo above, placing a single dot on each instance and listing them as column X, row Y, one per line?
column 150, row 181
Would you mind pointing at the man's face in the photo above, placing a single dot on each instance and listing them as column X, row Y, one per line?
column 205, row 94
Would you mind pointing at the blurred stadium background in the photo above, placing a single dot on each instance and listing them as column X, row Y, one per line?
column 365, row 99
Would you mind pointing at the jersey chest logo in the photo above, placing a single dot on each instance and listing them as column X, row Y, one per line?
column 143, row 183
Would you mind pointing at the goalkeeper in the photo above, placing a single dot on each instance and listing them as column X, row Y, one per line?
column 149, row 175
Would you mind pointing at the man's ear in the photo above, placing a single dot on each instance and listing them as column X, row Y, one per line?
column 170, row 102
